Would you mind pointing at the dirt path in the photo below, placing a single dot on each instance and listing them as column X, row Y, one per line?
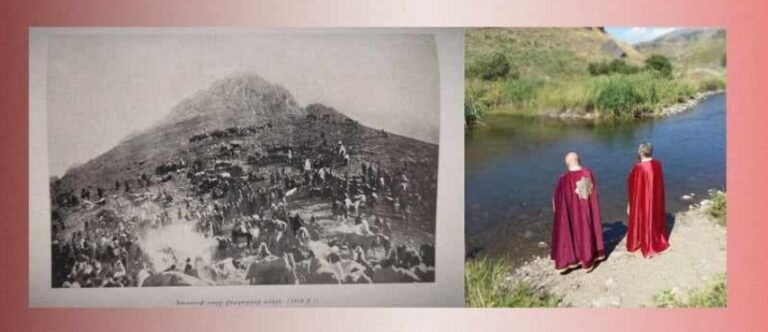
column 696, row 256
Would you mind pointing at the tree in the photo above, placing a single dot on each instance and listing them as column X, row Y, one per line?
column 659, row 64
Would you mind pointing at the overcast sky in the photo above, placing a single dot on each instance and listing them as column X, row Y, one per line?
column 104, row 86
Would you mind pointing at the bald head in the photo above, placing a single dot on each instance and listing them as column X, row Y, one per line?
column 572, row 160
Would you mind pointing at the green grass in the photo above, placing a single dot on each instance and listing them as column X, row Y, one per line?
column 610, row 67
column 627, row 96
column 705, row 51
column 719, row 207
column 541, row 53
column 486, row 285
column 621, row 96
column 531, row 71
column 714, row 295
column 712, row 83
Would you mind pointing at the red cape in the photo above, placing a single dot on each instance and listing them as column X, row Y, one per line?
column 647, row 217
column 577, row 233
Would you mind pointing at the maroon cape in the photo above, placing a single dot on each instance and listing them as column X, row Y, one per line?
column 577, row 233
column 647, row 219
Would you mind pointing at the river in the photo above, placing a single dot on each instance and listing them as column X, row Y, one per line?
column 513, row 163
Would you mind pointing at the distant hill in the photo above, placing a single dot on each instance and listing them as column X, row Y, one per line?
column 689, row 49
column 234, row 100
column 548, row 53
column 239, row 101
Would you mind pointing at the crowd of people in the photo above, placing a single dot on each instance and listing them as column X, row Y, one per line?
column 104, row 253
column 255, row 212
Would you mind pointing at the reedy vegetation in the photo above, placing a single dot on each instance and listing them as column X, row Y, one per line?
column 486, row 285
column 531, row 75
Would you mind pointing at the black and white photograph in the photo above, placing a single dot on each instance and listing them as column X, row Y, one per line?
column 244, row 158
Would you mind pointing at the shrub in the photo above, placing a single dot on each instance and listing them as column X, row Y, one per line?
column 719, row 208
column 473, row 109
column 489, row 66
column 626, row 96
column 619, row 66
column 522, row 91
column 616, row 97
column 659, row 64
column 486, row 286
column 480, row 97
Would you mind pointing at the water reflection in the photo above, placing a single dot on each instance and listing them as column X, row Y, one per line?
column 512, row 164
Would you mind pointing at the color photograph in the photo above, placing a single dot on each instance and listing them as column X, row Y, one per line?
column 595, row 167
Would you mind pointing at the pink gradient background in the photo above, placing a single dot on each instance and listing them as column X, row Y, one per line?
column 747, row 152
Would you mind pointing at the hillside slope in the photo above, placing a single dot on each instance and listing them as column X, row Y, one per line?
column 238, row 101
column 581, row 73
column 548, row 53
column 690, row 50
column 242, row 100
column 222, row 177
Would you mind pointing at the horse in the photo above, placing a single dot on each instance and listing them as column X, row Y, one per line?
column 240, row 232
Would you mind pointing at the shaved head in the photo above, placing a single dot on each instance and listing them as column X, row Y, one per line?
column 572, row 159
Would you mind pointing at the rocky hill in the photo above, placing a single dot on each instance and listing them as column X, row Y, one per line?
column 240, row 101
column 238, row 177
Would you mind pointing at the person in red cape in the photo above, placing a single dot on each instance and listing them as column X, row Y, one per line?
column 647, row 218
column 577, row 233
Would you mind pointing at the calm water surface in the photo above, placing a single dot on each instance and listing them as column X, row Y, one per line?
column 513, row 162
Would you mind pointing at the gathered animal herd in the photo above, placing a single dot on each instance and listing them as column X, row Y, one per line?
column 234, row 210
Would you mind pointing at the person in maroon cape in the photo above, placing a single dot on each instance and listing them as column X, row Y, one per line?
column 577, row 233
column 647, row 218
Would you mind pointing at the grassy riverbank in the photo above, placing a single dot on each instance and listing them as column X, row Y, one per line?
column 691, row 273
column 578, row 71
column 486, row 282
column 714, row 295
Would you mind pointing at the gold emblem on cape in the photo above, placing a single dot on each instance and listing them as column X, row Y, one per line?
column 584, row 187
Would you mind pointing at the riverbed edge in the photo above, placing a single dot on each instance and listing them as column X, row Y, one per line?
column 664, row 112
column 524, row 275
